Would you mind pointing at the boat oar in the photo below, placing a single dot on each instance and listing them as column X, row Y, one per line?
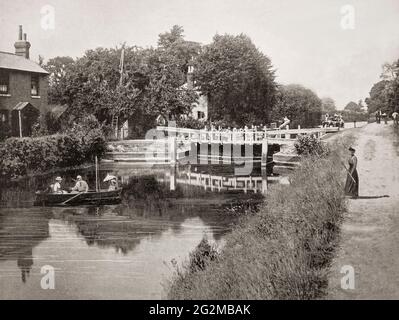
column 71, row 198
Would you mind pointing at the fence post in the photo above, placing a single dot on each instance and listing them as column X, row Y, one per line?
column 172, row 150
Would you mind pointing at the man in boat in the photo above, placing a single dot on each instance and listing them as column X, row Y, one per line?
column 81, row 185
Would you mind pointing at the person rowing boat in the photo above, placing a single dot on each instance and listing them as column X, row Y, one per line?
column 80, row 186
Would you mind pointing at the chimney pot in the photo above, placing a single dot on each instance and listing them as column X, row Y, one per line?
column 20, row 33
column 22, row 45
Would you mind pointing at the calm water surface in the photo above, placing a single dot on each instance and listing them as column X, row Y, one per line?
column 110, row 252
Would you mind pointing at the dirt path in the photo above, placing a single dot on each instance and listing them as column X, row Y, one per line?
column 370, row 232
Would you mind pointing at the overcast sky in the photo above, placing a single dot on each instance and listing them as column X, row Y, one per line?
column 305, row 39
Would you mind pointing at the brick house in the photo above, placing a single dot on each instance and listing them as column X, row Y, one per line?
column 23, row 88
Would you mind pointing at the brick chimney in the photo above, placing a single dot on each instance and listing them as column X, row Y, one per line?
column 22, row 45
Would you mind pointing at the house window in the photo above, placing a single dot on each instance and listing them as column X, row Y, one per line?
column 200, row 115
column 4, row 81
column 34, row 91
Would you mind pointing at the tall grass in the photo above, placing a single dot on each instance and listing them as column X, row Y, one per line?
column 284, row 250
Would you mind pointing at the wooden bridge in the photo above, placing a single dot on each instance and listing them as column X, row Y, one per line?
column 176, row 143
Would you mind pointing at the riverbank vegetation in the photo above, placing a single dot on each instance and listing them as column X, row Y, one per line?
column 75, row 146
column 284, row 250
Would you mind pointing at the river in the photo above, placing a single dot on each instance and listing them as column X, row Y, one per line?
column 122, row 251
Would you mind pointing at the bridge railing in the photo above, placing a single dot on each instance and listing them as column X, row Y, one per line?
column 242, row 135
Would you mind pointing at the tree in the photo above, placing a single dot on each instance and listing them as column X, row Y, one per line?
column 353, row 107
column 328, row 105
column 354, row 112
column 384, row 95
column 378, row 99
column 238, row 80
column 151, row 84
column 174, row 43
column 392, row 88
column 57, row 68
column 301, row 105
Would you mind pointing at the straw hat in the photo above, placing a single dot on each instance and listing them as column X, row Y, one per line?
column 58, row 179
column 109, row 177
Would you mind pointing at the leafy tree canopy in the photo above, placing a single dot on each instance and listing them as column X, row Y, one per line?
column 301, row 105
column 328, row 105
column 353, row 107
column 238, row 80
column 151, row 82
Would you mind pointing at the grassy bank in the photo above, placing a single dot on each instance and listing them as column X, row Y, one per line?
column 284, row 250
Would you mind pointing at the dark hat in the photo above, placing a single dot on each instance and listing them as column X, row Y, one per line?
column 351, row 149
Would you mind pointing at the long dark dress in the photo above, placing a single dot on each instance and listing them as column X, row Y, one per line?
column 352, row 187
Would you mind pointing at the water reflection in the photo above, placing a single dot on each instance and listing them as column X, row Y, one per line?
column 20, row 232
column 114, row 251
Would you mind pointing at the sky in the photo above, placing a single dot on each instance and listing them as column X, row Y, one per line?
column 334, row 47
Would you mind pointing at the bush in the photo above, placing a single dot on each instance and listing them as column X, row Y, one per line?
column 284, row 250
column 310, row 145
column 5, row 131
column 199, row 259
column 19, row 156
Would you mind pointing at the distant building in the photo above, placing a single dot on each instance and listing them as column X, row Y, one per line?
column 23, row 88
column 200, row 107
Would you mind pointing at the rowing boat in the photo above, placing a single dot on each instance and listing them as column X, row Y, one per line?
column 101, row 197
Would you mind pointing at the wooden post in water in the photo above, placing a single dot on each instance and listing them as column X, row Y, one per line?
column 96, row 174
column 172, row 177
column 172, row 150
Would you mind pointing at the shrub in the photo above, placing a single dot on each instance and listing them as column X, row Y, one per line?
column 5, row 131
column 19, row 156
column 310, row 145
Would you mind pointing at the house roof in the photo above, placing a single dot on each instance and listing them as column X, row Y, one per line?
column 22, row 105
column 14, row 62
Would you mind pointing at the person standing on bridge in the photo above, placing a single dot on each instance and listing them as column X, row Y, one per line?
column 352, row 178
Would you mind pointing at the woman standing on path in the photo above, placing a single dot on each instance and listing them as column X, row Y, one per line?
column 352, row 178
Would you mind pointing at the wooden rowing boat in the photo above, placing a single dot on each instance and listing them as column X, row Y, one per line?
column 100, row 197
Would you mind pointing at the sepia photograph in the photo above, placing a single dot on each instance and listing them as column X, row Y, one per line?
column 218, row 150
